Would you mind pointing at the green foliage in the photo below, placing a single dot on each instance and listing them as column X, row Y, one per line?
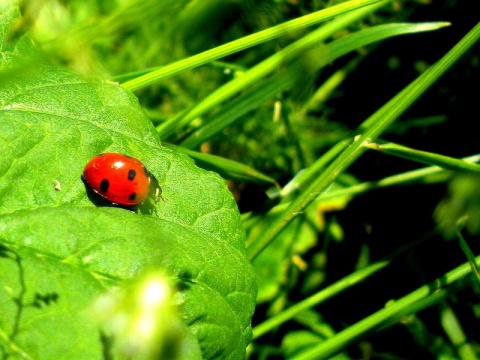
column 281, row 98
column 60, row 252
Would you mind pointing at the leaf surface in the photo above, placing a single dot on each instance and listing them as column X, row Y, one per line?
column 60, row 248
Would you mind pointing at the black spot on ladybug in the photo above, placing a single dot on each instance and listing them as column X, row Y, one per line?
column 104, row 185
column 132, row 196
column 131, row 174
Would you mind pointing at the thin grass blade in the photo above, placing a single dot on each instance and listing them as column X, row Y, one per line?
column 244, row 43
column 372, row 128
column 419, row 299
column 228, row 169
column 424, row 157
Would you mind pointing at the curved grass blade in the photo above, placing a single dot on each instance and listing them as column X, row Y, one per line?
column 228, row 169
column 468, row 254
column 425, row 296
column 274, row 85
column 424, row 157
column 266, row 67
column 318, row 298
column 372, row 128
column 431, row 174
column 244, row 43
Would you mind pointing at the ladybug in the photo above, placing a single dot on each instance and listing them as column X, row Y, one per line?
column 121, row 179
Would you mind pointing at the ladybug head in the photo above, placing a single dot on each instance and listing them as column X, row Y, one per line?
column 155, row 190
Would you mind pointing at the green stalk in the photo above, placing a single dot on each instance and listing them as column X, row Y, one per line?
column 317, row 298
column 419, row 299
column 244, row 43
column 424, row 157
column 266, row 67
column 431, row 174
column 373, row 127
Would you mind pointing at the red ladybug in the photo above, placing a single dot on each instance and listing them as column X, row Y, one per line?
column 121, row 179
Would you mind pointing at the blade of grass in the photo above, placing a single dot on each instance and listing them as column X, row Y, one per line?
column 372, row 127
column 125, row 17
column 399, row 179
column 328, row 86
column 244, row 43
column 229, row 169
column 302, row 180
column 274, row 85
column 425, row 157
column 430, row 175
column 417, row 300
column 455, row 333
column 317, row 298
column 266, row 67
column 468, row 252
column 236, row 109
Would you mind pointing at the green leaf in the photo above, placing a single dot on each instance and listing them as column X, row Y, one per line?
column 11, row 42
column 229, row 169
column 59, row 251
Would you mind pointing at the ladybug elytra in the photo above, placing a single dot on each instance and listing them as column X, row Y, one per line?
column 121, row 179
